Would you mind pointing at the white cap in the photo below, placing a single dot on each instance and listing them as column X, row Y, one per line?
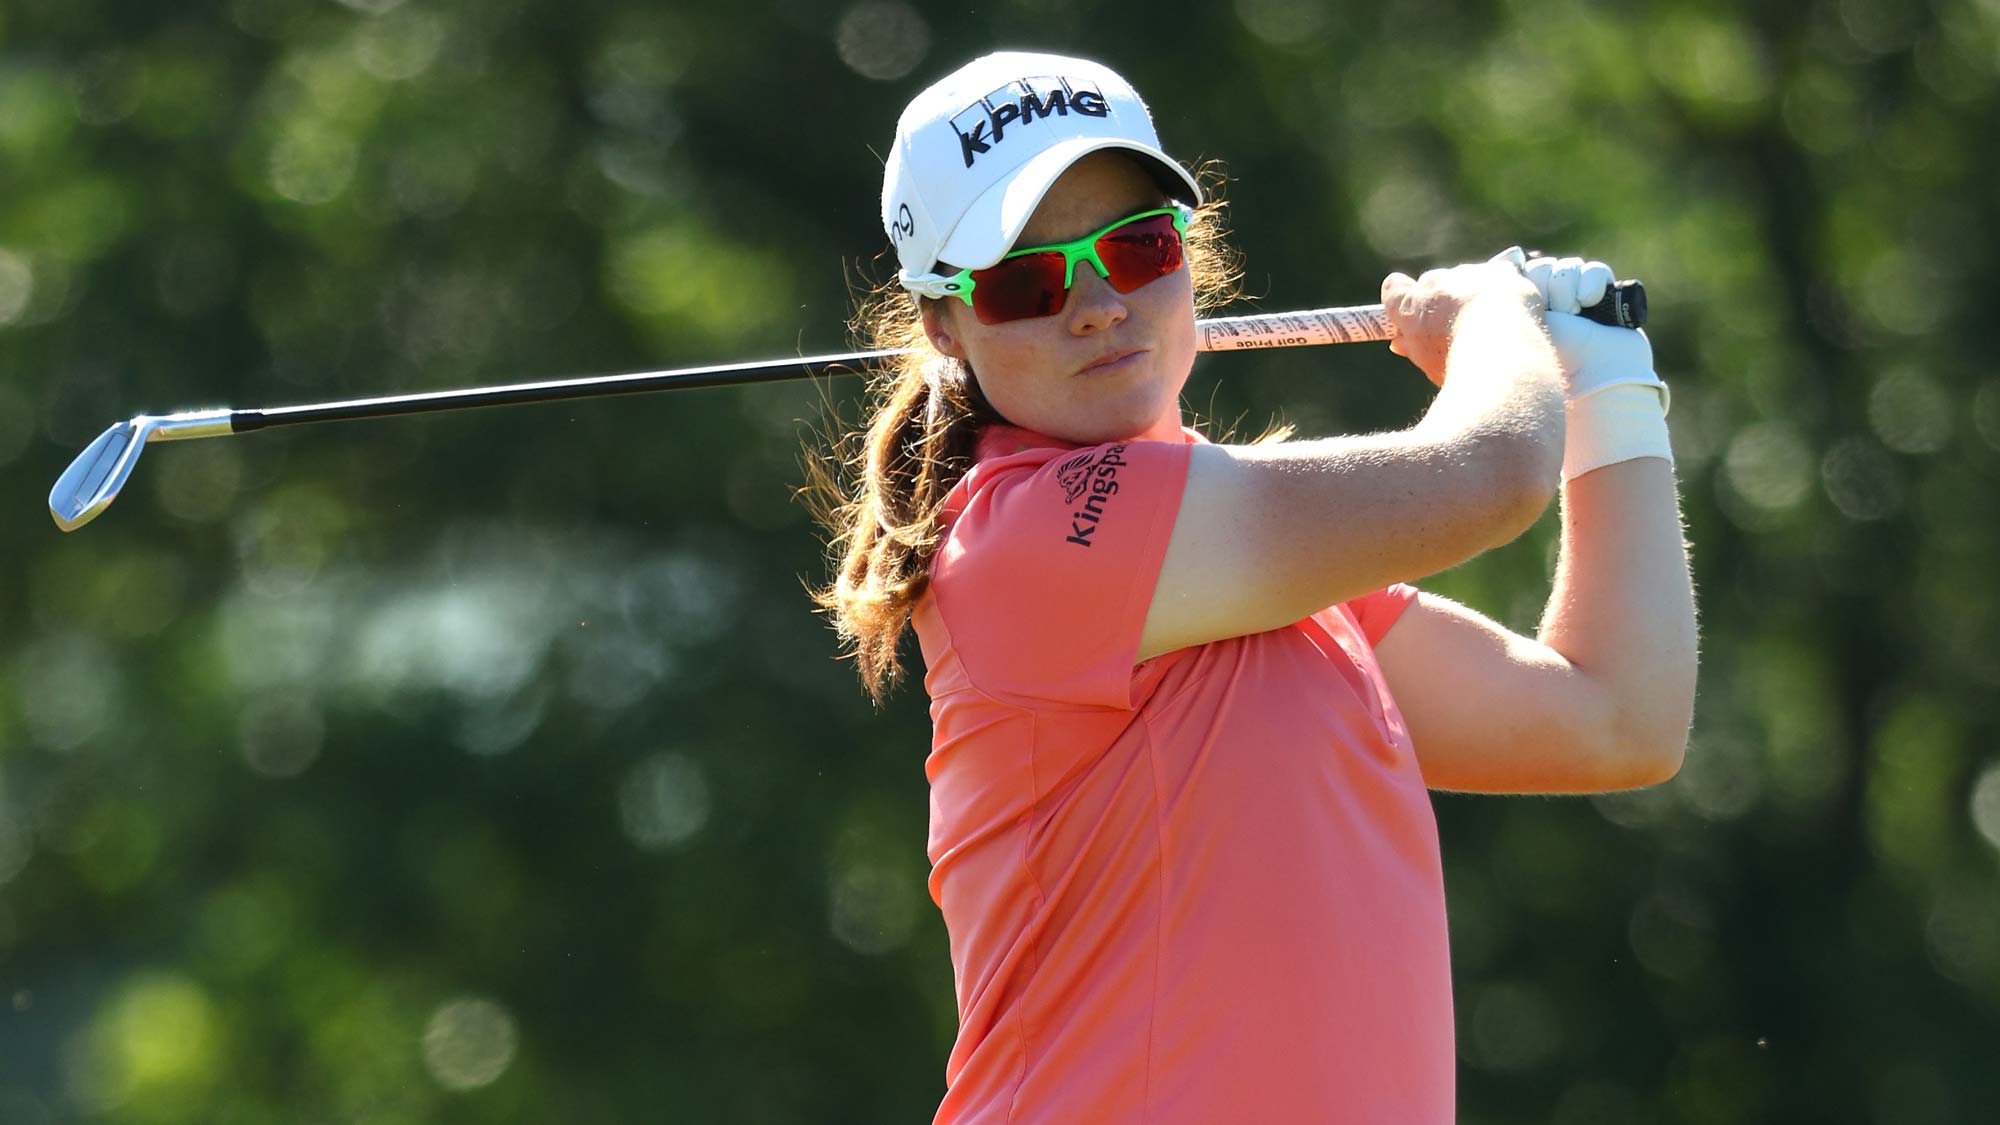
column 976, row 152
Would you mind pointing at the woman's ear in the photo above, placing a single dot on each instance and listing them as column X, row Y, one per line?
column 937, row 326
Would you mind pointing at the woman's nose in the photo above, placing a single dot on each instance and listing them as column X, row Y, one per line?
column 1093, row 304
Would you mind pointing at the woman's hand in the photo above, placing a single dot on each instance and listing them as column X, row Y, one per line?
column 1425, row 310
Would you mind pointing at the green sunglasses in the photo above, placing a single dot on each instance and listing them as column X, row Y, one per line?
column 1035, row 281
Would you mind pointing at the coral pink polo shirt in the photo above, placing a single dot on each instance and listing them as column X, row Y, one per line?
column 1198, row 890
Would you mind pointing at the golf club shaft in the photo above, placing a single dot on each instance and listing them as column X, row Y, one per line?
column 1356, row 324
column 1269, row 330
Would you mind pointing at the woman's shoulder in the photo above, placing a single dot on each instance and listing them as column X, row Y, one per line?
column 1017, row 465
column 1000, row 453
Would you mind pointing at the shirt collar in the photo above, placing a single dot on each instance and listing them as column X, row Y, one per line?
column 999, row 439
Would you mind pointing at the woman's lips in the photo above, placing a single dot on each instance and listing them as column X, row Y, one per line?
column 1116, row 361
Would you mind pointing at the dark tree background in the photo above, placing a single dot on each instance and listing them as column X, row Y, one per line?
column 492, row 767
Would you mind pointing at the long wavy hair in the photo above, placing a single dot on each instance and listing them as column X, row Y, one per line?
column 877, row 489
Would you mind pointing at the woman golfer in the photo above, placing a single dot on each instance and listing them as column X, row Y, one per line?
column 1186, row 705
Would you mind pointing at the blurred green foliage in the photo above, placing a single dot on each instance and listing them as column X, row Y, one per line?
column 492, row 768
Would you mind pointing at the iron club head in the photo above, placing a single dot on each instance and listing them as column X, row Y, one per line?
column 92, row 481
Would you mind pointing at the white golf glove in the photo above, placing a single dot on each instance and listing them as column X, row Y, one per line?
column 1615, row 405
column 1568, row 285
column 1596, row 357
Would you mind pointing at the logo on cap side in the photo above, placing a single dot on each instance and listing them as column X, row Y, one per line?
column 1023, row 101
column 905, row 224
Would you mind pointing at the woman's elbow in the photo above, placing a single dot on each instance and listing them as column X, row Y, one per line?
column 1649, row 749
column 1658, row 763
column 1521, row 472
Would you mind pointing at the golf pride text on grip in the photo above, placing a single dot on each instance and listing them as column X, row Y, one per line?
column 1298, row 329
column 1623, row 307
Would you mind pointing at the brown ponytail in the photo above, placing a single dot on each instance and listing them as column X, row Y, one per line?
column 877, row 490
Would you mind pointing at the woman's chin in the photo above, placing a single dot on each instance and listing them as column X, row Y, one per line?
column 1131, row 427
column 1133, row 413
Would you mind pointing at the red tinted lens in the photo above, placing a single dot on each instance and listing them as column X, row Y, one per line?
column 1141, row 251
column 1019, row 288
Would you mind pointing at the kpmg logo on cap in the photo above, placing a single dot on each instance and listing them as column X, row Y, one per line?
column 1021, row 103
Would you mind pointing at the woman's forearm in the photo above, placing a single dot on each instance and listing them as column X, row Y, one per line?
column 1622, row 610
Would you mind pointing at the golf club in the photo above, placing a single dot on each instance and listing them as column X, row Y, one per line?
column 93, row 480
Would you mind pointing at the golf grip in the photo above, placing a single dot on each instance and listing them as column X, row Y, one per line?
column 1624, row 306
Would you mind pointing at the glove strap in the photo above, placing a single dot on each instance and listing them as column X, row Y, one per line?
column 1621, row 422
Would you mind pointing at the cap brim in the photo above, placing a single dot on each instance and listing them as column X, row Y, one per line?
column 990, row 226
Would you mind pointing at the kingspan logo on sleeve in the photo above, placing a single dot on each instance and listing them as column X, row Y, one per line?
column 1090, row 476
column 1021, row 103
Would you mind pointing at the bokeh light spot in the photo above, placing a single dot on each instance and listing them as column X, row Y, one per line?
column 194, row 273
column 1959, row 935
column 242, row 928
column 40, row 115
column 882, row 39
column 280, row 734
column 157, row 1039
column 68, row 686
column 107, row 86
column 681, row 595
column 269, row 19
column 1769, row 466
column 1636, row 809
column 272, row 641
column 1718, row 65
column 468, row 1043
column 1986, row 804
column 489, row 729
column 1283, row 23
column 1905, row 291
column 1985, row 412
column 874, row 908
column 1405, row 216
column 17, row 423
column 631, row 80
column 1862, row 480
column 1909, row 798
column 1821, row 111
column 1910, row 412
column 133, row 594
column 78, row 222
column 647, row 273
column 17, row 843
column 612, row 670
column 198, row 482
column 17, row 285
column 432, row 182
column 1720, row 780
column 478, row 638
column 1672, row 934
column 284, row 541
column 311, row 166
column 663, row 801
column 113, row 844
column 400, row 46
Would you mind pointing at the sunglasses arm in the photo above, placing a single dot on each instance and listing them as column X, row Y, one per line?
column 934, row 285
